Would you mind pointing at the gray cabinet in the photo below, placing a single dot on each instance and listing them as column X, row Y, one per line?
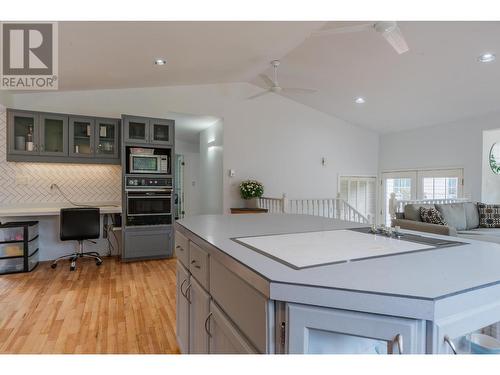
column 147, row 242
column 144, row 130
column 81, row 137
column 182, row 308
column 107, row 132
column 60, row 138
column 23, row 130
column 225, row 338
column 318, row 330
column 199, row 310
column 53, row 134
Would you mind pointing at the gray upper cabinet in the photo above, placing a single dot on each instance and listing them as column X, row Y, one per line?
column 136, row 129
column 107, row 134
column 53, row 134
column 23, row 133
column 81, row 137
column 318, row 330
column 145, row 130
column 60, row 138
column 161, row 131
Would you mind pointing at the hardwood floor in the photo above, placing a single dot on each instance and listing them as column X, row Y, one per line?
column 115, row 308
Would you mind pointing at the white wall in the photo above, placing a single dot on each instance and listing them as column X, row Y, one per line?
column 490, row 189
column 191, row 153
column 455, row 144
column 211, row 169
column 273, row 139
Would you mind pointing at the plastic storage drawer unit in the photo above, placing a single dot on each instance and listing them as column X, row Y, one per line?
column 18, row 246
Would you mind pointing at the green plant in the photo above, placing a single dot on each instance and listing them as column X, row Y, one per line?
column 251, row 189
column 495, row 167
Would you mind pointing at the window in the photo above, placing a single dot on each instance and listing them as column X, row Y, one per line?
column 440, row 187
column 360, row 192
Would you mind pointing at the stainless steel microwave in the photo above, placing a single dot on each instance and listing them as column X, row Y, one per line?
column 144, row 163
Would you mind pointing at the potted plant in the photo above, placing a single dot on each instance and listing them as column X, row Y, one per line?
column 250, row 191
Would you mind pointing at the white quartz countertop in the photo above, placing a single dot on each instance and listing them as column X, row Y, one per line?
column 52, row 209
column 422, row 275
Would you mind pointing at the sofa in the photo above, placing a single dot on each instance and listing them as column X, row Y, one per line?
column 462, row 221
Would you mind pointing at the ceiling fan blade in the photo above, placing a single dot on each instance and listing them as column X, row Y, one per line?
column 396, row 40
column 298, row 89
column 344, row 30
column 269, row 82
column 259, row 94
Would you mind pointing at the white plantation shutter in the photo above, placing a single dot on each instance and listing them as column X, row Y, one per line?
column 361, row 193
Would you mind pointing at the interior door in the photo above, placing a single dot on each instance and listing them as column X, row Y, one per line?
column 199, row 310
column 403, row 184
column 53, row 134
column 182, row 309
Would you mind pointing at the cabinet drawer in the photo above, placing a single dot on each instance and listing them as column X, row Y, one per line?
column 198, row 264
column 182, row 249
column 244, row 305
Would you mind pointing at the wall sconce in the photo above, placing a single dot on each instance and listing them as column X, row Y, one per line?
column 211, row 144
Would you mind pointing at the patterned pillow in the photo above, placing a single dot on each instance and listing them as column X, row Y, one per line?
column 432, row 216
column 489, row 215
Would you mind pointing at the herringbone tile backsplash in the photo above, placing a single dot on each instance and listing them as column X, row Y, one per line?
column 30, row 182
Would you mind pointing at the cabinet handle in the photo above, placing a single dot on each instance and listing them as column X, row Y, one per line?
column 207, row 327
column 186, row 295
column 182, row 292
column 179, row 247
column 450, row 344
column 399, row 340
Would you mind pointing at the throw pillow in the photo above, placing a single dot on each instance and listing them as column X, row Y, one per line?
column 432, row 216
column 489, row 215
column 453, row 214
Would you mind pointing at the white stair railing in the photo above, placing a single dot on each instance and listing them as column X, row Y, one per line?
column 333, row 208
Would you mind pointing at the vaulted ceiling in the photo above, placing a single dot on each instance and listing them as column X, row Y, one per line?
column 438, row 80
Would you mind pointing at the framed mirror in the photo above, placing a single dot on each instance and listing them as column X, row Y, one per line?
column 495, row 158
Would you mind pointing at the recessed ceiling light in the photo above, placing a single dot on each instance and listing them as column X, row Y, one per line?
column 486, row 57
column 359, row 100
column 160, row 62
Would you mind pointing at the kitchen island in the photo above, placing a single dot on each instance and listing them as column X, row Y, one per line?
column 304, row 284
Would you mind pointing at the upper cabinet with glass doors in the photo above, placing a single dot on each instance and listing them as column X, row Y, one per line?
column 50, row 137
column 145, row 130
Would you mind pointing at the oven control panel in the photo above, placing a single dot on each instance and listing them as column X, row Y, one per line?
column 147, row 182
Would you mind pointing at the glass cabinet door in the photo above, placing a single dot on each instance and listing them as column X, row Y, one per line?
column 161, row 131
column 53, row 134
column 23, row 132
column 81, row 136
column 136, row 130
column 107, row 138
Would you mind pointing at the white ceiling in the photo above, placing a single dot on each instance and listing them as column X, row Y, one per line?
column 438, row 80
column 188, row 127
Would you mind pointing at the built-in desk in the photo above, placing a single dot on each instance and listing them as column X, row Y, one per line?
column 48, row 216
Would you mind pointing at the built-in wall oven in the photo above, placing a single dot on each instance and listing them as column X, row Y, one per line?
column 149, row 201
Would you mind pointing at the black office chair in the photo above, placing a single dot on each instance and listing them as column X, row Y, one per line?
column 79, row 224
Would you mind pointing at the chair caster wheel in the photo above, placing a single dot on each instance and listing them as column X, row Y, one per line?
column 98, row 262
column 72, row 268
column 53, row 265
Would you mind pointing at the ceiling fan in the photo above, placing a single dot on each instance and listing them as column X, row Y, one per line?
column 389, row 30
column 273, row 85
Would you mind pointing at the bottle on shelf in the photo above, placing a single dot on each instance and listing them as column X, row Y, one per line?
column 29, row 140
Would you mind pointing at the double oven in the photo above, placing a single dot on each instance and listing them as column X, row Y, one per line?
column 148, row 200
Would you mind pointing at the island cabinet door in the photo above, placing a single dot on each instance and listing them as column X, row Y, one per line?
column 182, row 308
column 317, row 330
column 225, row 338
column 199, row 311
